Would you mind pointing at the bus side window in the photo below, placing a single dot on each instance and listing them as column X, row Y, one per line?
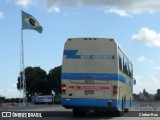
column 120, row 55
column 120, row 62
column 124, row 64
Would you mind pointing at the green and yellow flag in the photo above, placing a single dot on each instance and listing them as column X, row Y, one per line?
column 29, row 22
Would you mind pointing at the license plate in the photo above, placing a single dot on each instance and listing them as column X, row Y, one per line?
column 89, row 92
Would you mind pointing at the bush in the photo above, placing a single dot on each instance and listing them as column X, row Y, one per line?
column 157, row 98
column 57, row 99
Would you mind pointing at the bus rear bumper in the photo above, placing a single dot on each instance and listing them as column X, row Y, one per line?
column 92, row 104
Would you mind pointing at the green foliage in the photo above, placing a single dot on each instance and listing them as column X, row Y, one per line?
column 2, row 99
column 135, row 96
column 145, row 93
column 37, row 81
column 54, row 79
column 13, row 100
column 57, row 99
column 157, row 96
column 158, row 92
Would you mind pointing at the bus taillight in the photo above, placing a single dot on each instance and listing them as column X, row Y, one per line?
column 115, row 89
column 63, row 88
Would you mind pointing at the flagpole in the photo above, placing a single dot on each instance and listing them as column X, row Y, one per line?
column 20, row 88
column 20, row 74
column 28, row 22
column 23, row 70
column 20, row 81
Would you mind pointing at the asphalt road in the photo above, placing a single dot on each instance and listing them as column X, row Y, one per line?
column 57, row 112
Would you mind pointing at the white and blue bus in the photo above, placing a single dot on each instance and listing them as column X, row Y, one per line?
column 96, row 75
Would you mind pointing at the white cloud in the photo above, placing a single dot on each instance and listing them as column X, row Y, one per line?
column 14, row 85
column 1, row 90
column 144, row 59
column 120, row 12
column 156, row 68
column 10, row 92
column 120, row 7
column 154, row 79
column 23, row 3
column 1, row 15
column 53, row 9
column 141, row 59
column 139, row 80
column 65, row 14
column 148, row 37
column 146, row 82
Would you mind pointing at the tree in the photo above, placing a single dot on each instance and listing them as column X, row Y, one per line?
column 1, row 99
column 35, row 81
column 157, row 96
column 135, row 96
column 146, row 94
column 54, row 79
column 158, row 92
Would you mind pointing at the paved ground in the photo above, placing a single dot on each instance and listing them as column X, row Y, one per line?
column 32, row 107
column 58, row 112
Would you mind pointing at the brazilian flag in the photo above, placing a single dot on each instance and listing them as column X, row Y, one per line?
column 29, row 22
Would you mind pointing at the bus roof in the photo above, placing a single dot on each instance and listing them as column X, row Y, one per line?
column 90, row 38
column 94, row 38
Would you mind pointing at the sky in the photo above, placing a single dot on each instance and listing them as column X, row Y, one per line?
column 135, row 25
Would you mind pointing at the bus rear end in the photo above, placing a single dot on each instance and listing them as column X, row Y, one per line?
column 89, row 74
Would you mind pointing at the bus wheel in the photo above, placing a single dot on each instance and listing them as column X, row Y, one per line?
column 130, row 102
column 126, row 110
column 121, row 112
column 123, row 105
column 122, row 108
column 78, row 113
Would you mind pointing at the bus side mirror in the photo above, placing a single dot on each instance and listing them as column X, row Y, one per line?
column 134, row 81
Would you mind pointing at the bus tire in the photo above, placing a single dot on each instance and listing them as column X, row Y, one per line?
column 78, row 113
column 126, row 110
column 121, row 112
column 122, row 107
column 130, row 102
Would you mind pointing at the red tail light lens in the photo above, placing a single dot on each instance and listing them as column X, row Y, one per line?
column 115, row 89
column 63, row 88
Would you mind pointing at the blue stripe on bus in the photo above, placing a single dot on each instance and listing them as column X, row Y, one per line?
column 86, row 102
column 71, row 54
column 82, row 76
